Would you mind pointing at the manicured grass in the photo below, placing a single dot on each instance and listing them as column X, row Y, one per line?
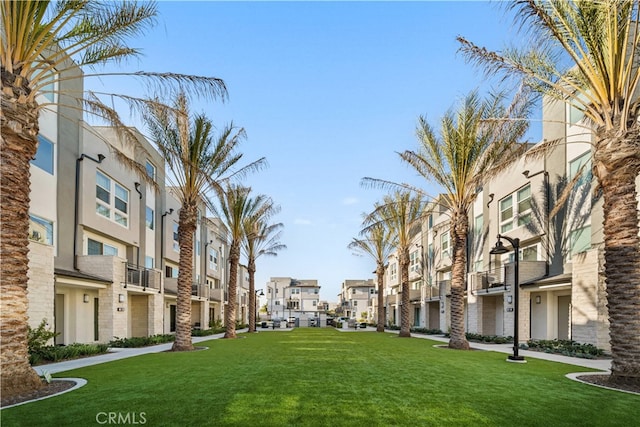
column 323, row 377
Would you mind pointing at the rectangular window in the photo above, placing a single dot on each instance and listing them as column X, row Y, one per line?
column 150, row 218
column 393, row 271
column 576, row 164
column 95, row 247
column 444, row 243
column 44, row 155
column 477, row 265
column 151, row 170
column 315, row 303
column 40, row 230
column 176, row 245
column 414, row 262
column 148, row 262
column 478, row 225
column 213, row 259
column 580, row 240
column 530, row 253
column 118, row 204
column 521, row 210
column 430, row 222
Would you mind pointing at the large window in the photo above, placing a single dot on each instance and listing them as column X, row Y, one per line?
column 150, row 218
column 151, row 170
column 112, row 199
column 176, row 245
column 40, row 230
column 515, row 209
column 95, row 247
column 444, row 243
column 44, row 155
column 393, row 272
column 414, row 261
column 576, row 164
column 580, row 240
column 148, row 262
column 213, row 259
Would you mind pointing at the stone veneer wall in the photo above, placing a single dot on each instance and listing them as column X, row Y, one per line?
column 41, row 285
column 111, row 322
column 156, row 314
column 589, row 314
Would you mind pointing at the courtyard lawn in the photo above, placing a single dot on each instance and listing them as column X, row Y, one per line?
column 323, row 377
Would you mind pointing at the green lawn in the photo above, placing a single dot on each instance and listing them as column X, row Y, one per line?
column 322, row 377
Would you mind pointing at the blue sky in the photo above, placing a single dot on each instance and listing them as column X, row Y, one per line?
column 328, row 92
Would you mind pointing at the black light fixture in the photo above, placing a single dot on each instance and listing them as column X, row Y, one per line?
column 500, row 249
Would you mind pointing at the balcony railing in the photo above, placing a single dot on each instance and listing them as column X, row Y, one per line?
column 199, row 290
column 503, row 278
column 142, row 277
column 414, row 295
column 433, row 293
column 216, row 295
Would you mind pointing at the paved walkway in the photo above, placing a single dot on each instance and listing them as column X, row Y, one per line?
column 123, row 353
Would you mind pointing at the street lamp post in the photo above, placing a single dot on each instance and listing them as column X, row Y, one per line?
column 255, row 302
column 499, row 249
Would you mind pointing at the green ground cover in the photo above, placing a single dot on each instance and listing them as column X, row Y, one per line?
column 323, row 377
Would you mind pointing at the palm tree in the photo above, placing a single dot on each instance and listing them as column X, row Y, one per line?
column 236, row 208
column 401, row 214
column 43, row 42
column 586, row 53
column 198, row 162
column 378, row 243
column 471, row 147
column 260, row 239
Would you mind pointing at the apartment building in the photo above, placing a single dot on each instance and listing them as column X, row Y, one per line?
column 355, row 299
column 561, row 291
column 289, row 298
column 103, row 256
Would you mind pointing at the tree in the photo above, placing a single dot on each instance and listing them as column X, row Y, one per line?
column 378, row 243
column 401, row 214
column 260, row 239
column 474, row 143
column 236, row 207
column 585, row 53
column 43, row 44
column 199, row 162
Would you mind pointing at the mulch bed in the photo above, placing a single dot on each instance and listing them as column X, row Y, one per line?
column 54, row 387
column 603, row 380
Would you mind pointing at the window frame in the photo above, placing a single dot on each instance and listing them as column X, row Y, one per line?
column 38, row 161
column 112, row 209
column 48, row 239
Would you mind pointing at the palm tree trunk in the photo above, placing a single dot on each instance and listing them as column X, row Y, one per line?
column 230, row 313
column 460, row 223
column 381, row 319
column 622, row 255
column 405, row 326
column 186, row 230
column 251, row 268
column 18, row 144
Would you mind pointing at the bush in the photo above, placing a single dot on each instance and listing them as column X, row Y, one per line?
column 566, row 347
column 72, row 351
column 40, row 336
column 426, row 331
column 206, row 332
column 141, row 341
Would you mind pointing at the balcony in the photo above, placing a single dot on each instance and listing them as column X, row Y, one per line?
column 216, row 295
column 142, row 277
column 501, row 279
column 414, row 295
column 199, row 290
column 433, row 293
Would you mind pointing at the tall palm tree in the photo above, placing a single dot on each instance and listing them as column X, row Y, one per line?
column 401, row 213
column 471, row 147
column 586, row 53
column 378, row 243
column 42, row 43
column 237, row 207
column 260, row 239
column 199, row 162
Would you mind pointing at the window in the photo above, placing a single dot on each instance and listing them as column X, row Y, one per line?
column 45, row 73
column 148, row 262
column 171, row 272
column 529, row 253
column 150, row 218
column 429, row 222
column 176, row 245
column 415, row 286
column 197, row 248
column 580, row 240
column 577, row 163
column 213, row 259
column 295, row 291
column 414, row 262
column 478, row 225
column 521, row 210
column 106, row 205
column 98, row 248
column 393, row 271
column 355, row 303
column 477, row 265
column 44, row 155
column 40, row 230
column 315, row 303
column 316, row 290
column 444, row 243
column 151, row 170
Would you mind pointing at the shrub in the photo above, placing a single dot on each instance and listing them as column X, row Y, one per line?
column 40, row 336
column 52, row 353
column 566, row 347
column 206, row 332
column 426, row 331
column 141, row 341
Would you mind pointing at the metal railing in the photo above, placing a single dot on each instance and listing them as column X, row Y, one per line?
column 199, row 290
column 432, row 293
column 142, row 277
column 490, row 280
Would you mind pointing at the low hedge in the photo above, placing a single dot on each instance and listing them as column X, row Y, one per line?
column 565, row 347
column 51, row 353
